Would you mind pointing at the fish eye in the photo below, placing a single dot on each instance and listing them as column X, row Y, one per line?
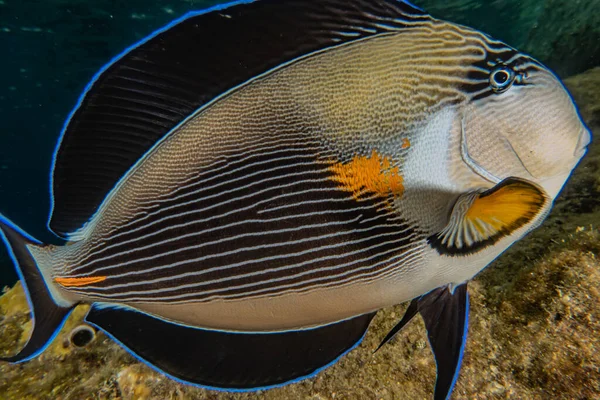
column 501, row 79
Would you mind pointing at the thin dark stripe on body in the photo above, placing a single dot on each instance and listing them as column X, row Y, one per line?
column 257, row 223
column 265, row 214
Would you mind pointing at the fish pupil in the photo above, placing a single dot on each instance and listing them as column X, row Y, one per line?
column 501, row 77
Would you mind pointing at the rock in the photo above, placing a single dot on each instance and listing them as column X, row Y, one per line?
column 536, row 338
column 584, row 88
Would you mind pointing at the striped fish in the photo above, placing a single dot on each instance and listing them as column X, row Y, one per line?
column 241, row 191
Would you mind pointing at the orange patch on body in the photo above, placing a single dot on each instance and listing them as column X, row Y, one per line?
column 77, row 282
column 405, row 143
column 372, row 174
column 506, row 207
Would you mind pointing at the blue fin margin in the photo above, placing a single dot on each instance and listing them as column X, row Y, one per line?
column 445, row 311
column 103, row 69
column 228, row 361
column 68, row 217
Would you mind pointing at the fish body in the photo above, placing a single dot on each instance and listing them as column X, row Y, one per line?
column 371, row 155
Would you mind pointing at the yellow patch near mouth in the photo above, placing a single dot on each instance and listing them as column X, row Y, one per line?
column 78, row 282
column 373, row 174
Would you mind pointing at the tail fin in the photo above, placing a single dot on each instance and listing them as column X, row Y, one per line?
column 47, row 316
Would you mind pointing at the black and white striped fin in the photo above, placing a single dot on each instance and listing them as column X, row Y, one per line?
column 227, row 360
column 160, row 82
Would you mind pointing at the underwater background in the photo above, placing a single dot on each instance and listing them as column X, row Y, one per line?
column 535, row 324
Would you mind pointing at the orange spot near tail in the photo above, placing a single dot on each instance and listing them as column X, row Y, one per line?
column 405, row 143
column 76, row 282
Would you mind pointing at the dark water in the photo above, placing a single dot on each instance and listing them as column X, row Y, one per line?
column 50, row 49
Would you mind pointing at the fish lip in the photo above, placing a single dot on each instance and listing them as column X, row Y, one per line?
column 585, row 138
column 579, row 153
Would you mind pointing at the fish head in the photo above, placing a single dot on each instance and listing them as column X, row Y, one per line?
column 524, row 124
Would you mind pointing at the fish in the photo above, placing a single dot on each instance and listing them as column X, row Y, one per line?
column 240, row 192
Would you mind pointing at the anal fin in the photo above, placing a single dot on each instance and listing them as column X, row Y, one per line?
column 227, row 360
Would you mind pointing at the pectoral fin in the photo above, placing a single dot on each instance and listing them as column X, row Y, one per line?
column 480, row 219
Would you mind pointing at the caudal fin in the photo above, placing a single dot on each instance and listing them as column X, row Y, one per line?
column 47, row 316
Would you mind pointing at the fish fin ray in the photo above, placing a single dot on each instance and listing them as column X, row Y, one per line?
column 480, row 219
column 144, row 93
column 226, row 360
column 446, row 316
column 47, row 316
column 411, row 311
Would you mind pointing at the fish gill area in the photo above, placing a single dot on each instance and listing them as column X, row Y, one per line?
column 534, row 329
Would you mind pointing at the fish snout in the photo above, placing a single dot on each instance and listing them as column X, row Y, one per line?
column 585, row 138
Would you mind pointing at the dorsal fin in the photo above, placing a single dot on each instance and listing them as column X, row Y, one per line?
column 153, row 86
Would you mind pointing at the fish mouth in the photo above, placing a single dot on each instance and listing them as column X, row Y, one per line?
column 585, row 138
